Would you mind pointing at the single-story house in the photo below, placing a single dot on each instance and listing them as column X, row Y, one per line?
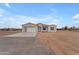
column 30, row 27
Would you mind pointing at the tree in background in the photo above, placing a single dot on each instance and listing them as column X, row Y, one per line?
column 65, row 28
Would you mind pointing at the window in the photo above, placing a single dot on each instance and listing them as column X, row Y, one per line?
column 44, row 28
column 52, row 28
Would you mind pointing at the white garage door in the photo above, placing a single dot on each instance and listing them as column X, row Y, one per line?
column 31, row 29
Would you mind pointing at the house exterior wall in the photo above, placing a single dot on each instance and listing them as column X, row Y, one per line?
column 55, row 29
column 35, row 28
column 23, row 29
column 49, row 29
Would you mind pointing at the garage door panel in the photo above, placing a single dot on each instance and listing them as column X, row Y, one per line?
column 31, row 29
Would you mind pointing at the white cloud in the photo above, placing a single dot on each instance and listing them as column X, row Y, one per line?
column 1, row 22
column 56, row 20
column 1, row 15
column 76, row 17
column 11, row 19
column 18, row 20
column 2, row 11
column 7, row 5
column 76, row 22
column 24, row 19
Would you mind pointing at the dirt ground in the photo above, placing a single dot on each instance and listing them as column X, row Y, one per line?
column 61, row 42
column 2, row 33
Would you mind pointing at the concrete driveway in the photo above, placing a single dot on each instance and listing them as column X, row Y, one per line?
column 22, row 44
column 22, row 34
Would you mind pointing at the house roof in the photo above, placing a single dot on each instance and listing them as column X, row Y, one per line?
column 39, row 24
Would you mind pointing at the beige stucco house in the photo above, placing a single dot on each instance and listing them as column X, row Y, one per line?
column 30, row 27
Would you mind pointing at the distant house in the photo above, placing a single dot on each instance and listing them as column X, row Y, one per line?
column 30, row 27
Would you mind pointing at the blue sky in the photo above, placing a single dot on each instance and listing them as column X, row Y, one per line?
column 61, row 14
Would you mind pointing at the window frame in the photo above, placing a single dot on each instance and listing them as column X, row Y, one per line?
column 52, row 28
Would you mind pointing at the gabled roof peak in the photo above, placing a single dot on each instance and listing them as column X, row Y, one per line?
column 29, row 23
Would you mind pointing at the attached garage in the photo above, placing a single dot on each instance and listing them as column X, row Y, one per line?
column 29, row 27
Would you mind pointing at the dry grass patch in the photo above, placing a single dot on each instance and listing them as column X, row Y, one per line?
column 2, row 33
column 61, row 42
